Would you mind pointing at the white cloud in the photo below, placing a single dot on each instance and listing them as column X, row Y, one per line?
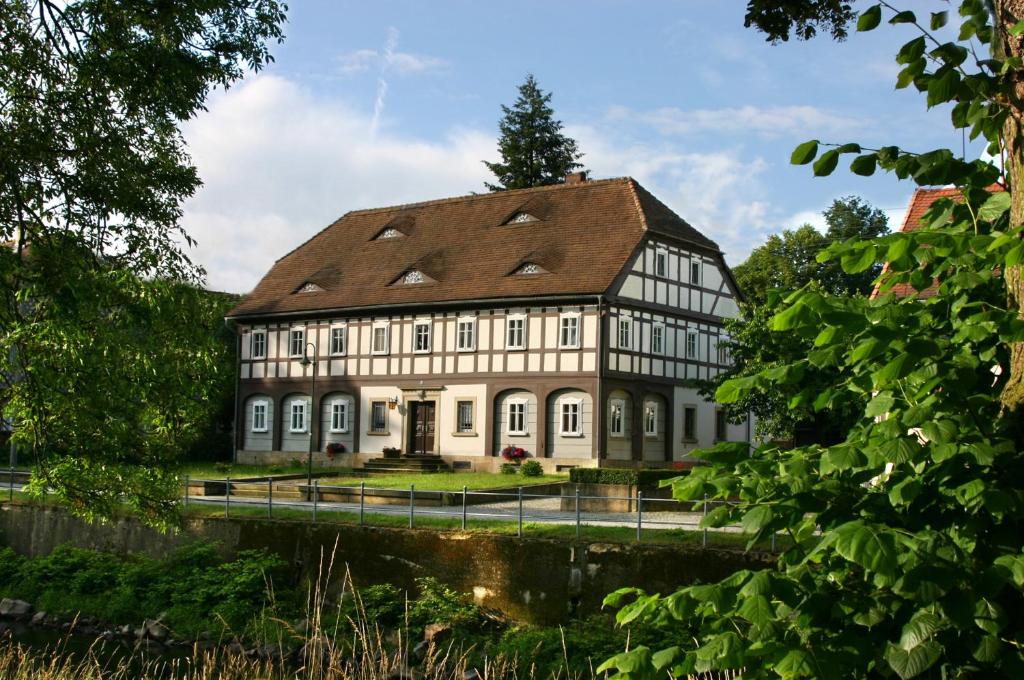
column 279, row 165
column 768, row 121
column 402, row 63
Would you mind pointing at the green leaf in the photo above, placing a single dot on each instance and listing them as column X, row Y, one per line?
column 1017, row 29
column 841, row 457
column 994, row 207
column 733, row 390
column 758, row 610
column 870, row 18
column 880, row 405
column 805, row 153
column 756, row 519
column 921, row 627
column 826, row 164
column 870, row 547
column 864, row 165
column 859, row 260
column 795, row 316
column 795, row 664
column 904, row 17
column 942, row 88
column 938, row 20
column 909, row 664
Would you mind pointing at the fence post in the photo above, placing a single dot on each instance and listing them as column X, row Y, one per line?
column 704, row 539
column 773, row 541
column 520, row 533
column 11, row 494
column 227, row 497
column 362, row 502
column 186, row 491
column 639, row 513
column 316, row 496
column 577, row 512
column 463, row 507
column 270, row 497
column 412, row 505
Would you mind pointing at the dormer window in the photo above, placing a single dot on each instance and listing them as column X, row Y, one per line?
column 521, row 218
column 529, row 268
column 388, row 233
column 309, row 287
column 413, row 276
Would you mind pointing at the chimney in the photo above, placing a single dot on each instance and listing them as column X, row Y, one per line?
column 576, row 177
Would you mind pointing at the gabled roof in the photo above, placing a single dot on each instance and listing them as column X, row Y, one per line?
column 584, row 235
column 920, row 202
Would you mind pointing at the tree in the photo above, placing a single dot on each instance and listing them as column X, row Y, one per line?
column 904, row 552
column 534, row 152
column 105, row 372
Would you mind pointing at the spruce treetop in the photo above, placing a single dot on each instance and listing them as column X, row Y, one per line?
column 534, row 152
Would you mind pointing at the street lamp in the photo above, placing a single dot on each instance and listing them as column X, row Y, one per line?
column 306, row 361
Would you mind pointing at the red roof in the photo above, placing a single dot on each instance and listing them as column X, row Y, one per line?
column 920, row 202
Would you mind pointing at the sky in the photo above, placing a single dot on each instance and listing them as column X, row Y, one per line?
column 370, row 104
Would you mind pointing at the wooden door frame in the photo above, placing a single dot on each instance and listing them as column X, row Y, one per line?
column 410, row 396
column 414, row 410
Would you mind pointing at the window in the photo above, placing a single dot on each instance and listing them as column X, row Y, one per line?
column 337, row 340
column 569, row 331
column 389, row 232
column 413, row 276
column 259, row 416
column 721, row 426
column 530, row 268
column 517, row 416
column 298, row 423
column 695, row 273
column 297, row 342
column 515, row 332
column 309, row 287
column 339, row 415
column 258, row 345
column 380, row 339
column 625, row 333
column 378, row 417
column 657, row 339
column 723, row 352
column 572, row 425
column 690, row 423
column 661, row 263
column 691, row 345
column 466, row 335
column 464, row 417
column 615, row 413
column 650, row 419
column 421, row 337
column 521, row 218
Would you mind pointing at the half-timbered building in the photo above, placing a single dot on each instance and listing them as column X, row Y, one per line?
column 571, row 321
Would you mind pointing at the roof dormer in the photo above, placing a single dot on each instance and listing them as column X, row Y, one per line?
column 309, row 287
column 411, row 277
column 528, row 269
column 521, row 218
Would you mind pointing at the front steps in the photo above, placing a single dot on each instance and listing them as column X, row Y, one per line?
column 405, row 464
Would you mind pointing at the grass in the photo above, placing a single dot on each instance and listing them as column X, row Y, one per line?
column 443, row 481
column 222, row 470
column 564, row 532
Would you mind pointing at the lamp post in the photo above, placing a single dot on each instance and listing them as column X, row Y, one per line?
column 306, row 361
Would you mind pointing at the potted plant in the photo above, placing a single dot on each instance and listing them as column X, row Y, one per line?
column 392, row 452
column 513, row 454
column 333, row 449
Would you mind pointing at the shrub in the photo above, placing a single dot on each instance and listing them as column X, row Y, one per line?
column 641, row 478
column 531, row 468
column 509, row 469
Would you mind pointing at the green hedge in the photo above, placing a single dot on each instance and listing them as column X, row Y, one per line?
column 642, row 478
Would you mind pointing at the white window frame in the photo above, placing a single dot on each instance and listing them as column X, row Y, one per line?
column 626, row 324
column 384, row 409
column 521, row 320
column 692, row 345
column 458, row 417
column 525, row 404
column 699, row 265
column 265, row 406
column 570, row 404
column 661, row 263
column 339, row 330
column 650, row 419
column 469, row 322
column 721, row 417
column 692, row 436
column 301, row 342
column 262, row 333
column 416, row 326
column 620, row 405
column 722, row 350
column 298, row 405
column 564, row 324
column 386, row 327
column 341, row 428
column 658, row 332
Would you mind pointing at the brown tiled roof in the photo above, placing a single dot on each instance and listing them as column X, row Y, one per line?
column 920, row 202
column 583, row 236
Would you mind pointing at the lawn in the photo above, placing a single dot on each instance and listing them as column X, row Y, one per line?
column 442, row 481
column 222, row 470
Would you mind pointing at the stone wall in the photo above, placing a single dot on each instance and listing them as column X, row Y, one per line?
column 536, row 580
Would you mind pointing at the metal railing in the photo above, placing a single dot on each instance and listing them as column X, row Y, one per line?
column 365, row 505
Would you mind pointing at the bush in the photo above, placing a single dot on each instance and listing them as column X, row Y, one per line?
column 531, row 468
column 641, row 478
column 509, row 469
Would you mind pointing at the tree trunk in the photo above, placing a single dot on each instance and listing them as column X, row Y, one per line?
column 1007, row 14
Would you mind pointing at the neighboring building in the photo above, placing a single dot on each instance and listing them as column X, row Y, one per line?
column 567, row 320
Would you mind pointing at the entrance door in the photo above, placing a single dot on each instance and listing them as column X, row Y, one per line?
column 422, row 430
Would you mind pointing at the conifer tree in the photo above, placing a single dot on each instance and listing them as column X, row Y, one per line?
column 534, row 152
